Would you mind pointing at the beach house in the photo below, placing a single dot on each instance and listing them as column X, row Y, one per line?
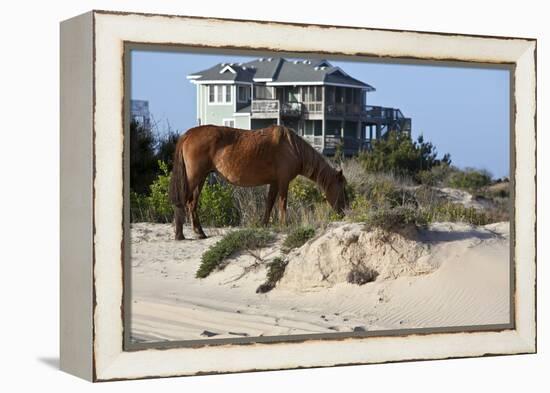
column 321, row 102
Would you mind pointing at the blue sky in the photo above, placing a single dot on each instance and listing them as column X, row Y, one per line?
column 463, row 111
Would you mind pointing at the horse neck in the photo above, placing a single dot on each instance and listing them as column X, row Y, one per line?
column 317, row 169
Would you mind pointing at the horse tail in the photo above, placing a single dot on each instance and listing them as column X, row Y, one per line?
column 178, row 182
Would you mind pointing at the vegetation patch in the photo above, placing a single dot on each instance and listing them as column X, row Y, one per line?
column 297, row 237
column 217, row 207
column 304, row 193
column 394, row 219
column 470, row 179
column 275, row 271
column 455, row 212
column 360, row 275
column 230, row 244
column 399, row 154
column 154, row 206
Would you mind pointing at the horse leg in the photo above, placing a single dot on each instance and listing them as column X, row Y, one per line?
column 270, row 201
column 192, row 208
column 283, row 191
column 179, row 217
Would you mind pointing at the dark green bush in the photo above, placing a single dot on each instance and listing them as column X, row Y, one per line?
column 397, row 153
column 230, row 244
column 297, row 237
column 143, row 160
column 275, row 271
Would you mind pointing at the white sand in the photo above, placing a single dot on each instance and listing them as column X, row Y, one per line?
column 450, row 275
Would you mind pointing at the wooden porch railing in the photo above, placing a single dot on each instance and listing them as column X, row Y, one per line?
column 265, row 106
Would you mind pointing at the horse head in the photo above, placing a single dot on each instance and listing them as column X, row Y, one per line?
column 336, row 192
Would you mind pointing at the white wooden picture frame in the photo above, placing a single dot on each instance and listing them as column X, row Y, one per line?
column 92, row 194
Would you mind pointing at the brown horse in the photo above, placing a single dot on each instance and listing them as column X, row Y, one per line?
column 273, row 155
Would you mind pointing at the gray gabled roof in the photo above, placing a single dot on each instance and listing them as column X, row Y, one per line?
column 279, row 71
column 233, row 72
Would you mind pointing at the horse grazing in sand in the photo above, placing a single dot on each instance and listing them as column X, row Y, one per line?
column 273, row 155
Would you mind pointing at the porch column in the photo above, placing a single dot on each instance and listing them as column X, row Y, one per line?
column 323, row 120
column 323, row 132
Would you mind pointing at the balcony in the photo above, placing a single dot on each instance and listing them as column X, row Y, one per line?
column 348, row 145
column 340, row 109
column 274, row 109
column 265, row 109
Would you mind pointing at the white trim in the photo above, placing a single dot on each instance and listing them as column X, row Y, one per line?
column 227, row 68
column 262, row 79
column 193, row 76
column 213, row 82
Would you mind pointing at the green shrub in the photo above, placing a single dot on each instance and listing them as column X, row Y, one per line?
column 297, row 237
column 437, row 175
column 399, row 154
column 455, row 212
column 156, row 206
column 275, row 271
column 360, row 208
column 158, row 195
column 470, row 179
column 395, row 218
column 233, row 242
column 303, row 192
column 217, row 207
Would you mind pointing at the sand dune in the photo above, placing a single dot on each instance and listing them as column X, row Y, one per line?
column 447, row 275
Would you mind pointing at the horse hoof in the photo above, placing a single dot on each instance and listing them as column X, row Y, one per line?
column 201, row 236
column 180, row 237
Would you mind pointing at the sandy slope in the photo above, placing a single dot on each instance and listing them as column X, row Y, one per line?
column 454, row 275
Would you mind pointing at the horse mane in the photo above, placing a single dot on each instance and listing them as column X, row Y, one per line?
column 314, row 165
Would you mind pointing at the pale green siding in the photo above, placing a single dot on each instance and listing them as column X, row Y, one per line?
column 242, row 122
column 216, row 113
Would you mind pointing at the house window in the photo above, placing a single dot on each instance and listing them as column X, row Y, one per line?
column 219, row 94
column 316, row 93
column 229, row 123
column 243, row 93
column 211, row 93
column 264, row 92
column 227, row 93
column 312, row 93
column 313, row 127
